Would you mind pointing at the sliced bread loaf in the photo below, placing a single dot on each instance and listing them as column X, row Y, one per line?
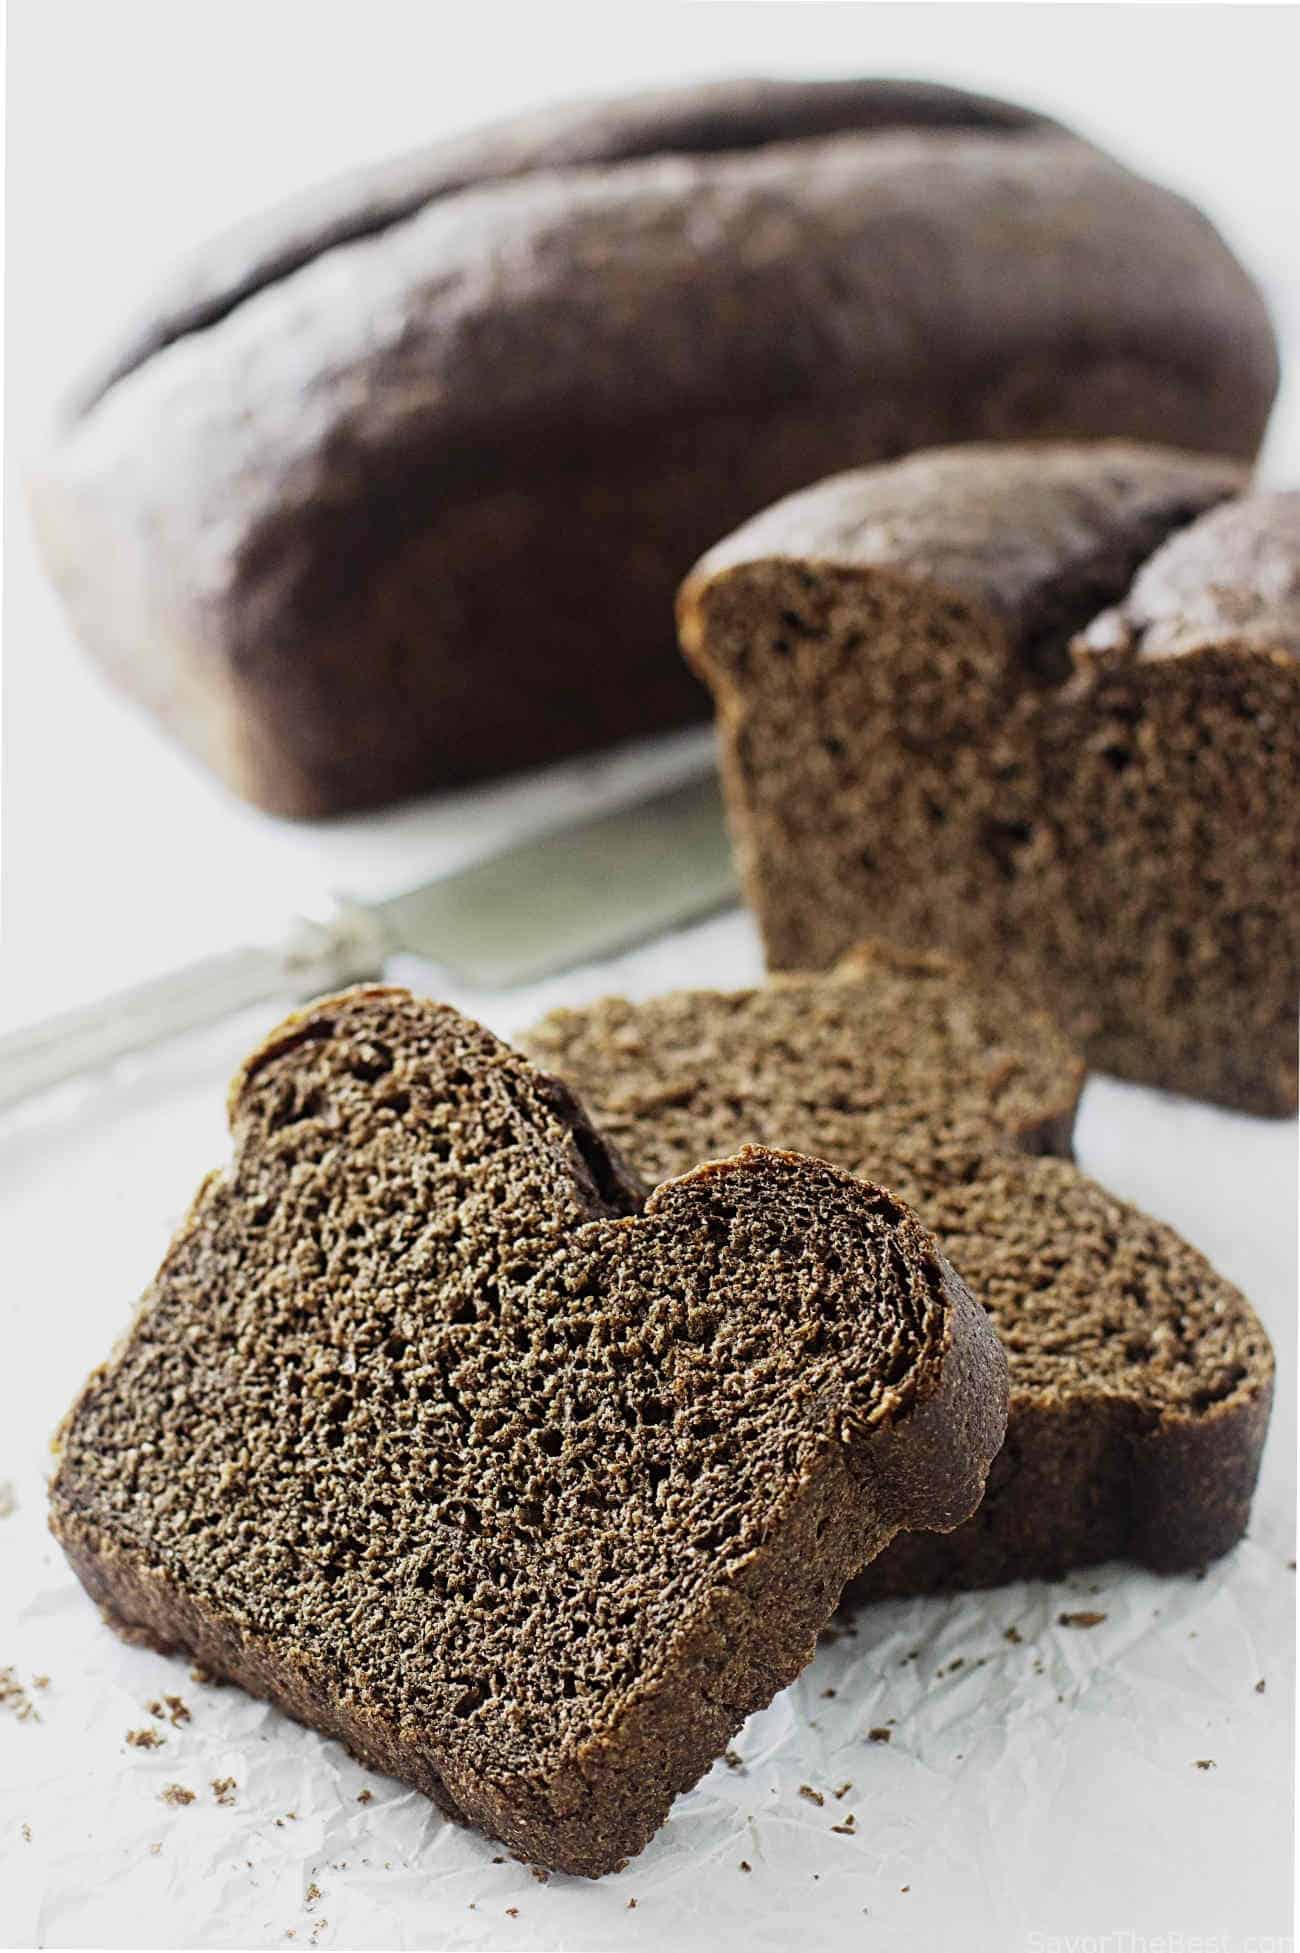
column 912, row 748
column 1140, row 1380
column 430, row 1433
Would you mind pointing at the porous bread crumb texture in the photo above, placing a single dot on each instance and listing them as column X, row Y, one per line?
column 1141, row 1381
column 427, row 1432
column 1141, row 1386
column 929, row 733
column 893, row 1065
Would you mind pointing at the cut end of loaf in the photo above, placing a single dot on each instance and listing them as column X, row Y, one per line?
column 1035, row 706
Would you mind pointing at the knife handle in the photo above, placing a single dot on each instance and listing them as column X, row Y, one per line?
column 344, row 945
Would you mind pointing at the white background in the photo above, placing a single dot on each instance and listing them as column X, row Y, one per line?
column 1052, row 1790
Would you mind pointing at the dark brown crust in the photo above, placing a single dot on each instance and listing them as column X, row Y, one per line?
column 705, row 119
column 1083, row 1482
column 918, row 1456
column 1114, row 791
column 1232, row 579
column 284, row 532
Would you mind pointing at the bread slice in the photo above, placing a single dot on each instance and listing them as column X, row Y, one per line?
column 430, row 1432
column 896, row 1065
column 1141, row 1384
column 912, row 749
column 1140, row 1380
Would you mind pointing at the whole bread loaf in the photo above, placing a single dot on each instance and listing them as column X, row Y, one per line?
column 1141, row 1381
column 394, row 488
column 915, row 742
column 435, row 1432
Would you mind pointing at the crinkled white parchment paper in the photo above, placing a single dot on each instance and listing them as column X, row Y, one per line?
column 1038, row 1779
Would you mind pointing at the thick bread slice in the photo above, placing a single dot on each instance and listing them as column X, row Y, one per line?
column 427, row 1434
column 1141, row 1384
column 913, row 748
column 896, row 1064
column 1141, row 1381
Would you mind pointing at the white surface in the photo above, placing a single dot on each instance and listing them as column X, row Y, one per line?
column 1053, row 1790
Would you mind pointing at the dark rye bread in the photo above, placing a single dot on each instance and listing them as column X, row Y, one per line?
column 913, row 747
column 894, row 1065
column 394, row 489
column 1141, row 1381
column 432, row 1433
column 1141, row 1384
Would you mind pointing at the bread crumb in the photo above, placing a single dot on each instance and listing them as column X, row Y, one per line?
column 40, row 1681
column 745, row 1865
column 145, row 1739
column 313, row 1894
column 540, row 1873
column 8, row 1499
column 848, row 1827
column 879, row 1735
column 813, row 1796
column 205, row 1677
column 904, row 1888
column 176, row 1795
column 1083, row 1617
column 631, row 1905
column 171, row 1709
column 318, row 1929
column 1259, row 1687
column 365, row 1797
column 1206, row 1763
column 155, row 1849
column 828, row 1695
column 223, row 1789
column 843, row 1791
column 512, row 1912
column 14, row 1696
column 1013, row 1635
column 733, row 1759
column 27, row 1833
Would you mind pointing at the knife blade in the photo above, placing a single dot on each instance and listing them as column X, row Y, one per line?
column 566, row 897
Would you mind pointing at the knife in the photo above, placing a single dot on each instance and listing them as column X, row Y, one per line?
column 574, row 895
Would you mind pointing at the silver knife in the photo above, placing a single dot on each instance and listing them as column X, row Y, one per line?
column 577, row 894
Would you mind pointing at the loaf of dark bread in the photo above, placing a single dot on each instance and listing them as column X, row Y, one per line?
column 394, row 489
column 1141, row 1381
column 913, row 747
column 431, row 1432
